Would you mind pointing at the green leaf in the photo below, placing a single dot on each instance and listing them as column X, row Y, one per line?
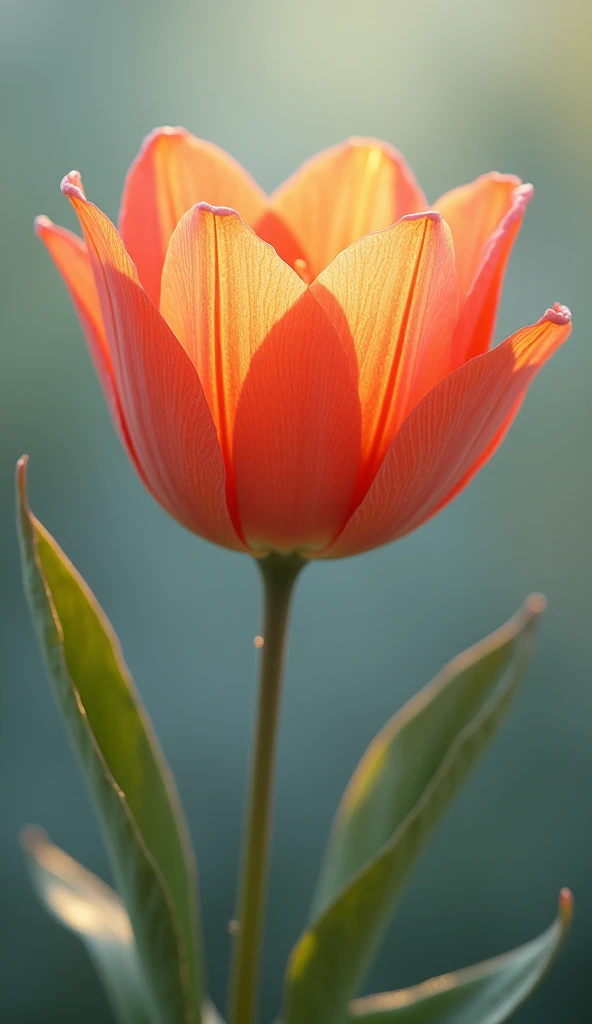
column 91, row 909
column 132, row 788
column 487, row 993
column 404, row 783
column 210, row 1014
column 85, row 905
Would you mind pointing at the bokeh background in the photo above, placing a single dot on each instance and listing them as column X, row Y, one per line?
column 461, row 87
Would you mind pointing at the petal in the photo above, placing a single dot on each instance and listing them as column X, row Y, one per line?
column 450, row 435
column 484, row 218
column 272, row 229
column 297, row 435
column 164, row 405
column 173, row 171
column 70, row 256
column 392, row 299
column 223, row 289
column 275, row 376
column 341, row 194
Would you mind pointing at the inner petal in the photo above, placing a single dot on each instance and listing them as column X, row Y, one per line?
column 393, row 299
column 275, row 376
column 341, row 194
column 223, row 289
column 473, row 212
column 173, row 171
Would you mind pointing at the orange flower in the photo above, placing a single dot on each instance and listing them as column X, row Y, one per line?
column 325, row 393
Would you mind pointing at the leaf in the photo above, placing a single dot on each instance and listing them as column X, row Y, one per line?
column 132, row 788
column 487, row 993
column 404, row 783
column 85, row 905
column 210, row 1014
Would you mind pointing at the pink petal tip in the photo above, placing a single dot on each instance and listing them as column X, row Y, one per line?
column 71, row 185
column 41, row 224
column 558, row 314
column 424, row 215
column 218, row 211
column 526, row 190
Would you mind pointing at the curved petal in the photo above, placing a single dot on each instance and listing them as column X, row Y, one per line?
column 70, row 255
column 164, row 405
column 297, row 435
column 173, row 171
column 341, row 194
column 484, row 218
column 394, row 294
column 450, row 435
column 275, row 376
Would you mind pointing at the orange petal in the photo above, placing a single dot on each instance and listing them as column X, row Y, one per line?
column 484, row 218
column 341, row 194
column 70, row 256
column 164, row 405
column 392, row 299
column 173, row 171
column 450, row 435
column 223, row 290
column 275, row 376
column 271, row 228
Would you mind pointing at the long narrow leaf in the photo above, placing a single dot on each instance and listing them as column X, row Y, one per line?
column 89, row 908
column 131, row 786
column 487, row 993
column 405, row 782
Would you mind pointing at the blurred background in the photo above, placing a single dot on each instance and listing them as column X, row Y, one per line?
column 461, row 87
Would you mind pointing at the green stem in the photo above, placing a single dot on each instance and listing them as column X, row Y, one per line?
column 279, row 575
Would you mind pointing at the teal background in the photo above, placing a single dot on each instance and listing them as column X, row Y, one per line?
column 461, row 87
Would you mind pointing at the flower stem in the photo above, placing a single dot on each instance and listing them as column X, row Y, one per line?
column 279, row 575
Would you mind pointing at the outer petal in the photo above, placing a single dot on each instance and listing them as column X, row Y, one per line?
column 450, row 435
column 392, row 297
column 484, row 218
column 339, row 195
column 164, row 405
column 275, row 376
column 173, row 171
column 70, row 256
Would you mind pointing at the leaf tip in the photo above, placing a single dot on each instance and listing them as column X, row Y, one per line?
column 21, row 478
column 534, row 606
column 32, row 840
column 22, row 501
column 566, row 906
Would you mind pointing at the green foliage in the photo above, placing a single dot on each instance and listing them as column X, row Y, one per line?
column 93, row 911
column 487, row 993
column 131, row 786
column 403, row 785
column 145, row 944
column 89, row 908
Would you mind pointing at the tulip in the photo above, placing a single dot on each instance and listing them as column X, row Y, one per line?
column 309, row 372
column 305, row 375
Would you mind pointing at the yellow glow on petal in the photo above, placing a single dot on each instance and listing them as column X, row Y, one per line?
column 371, row 166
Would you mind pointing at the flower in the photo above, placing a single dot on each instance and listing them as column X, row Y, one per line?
column 308, row 372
